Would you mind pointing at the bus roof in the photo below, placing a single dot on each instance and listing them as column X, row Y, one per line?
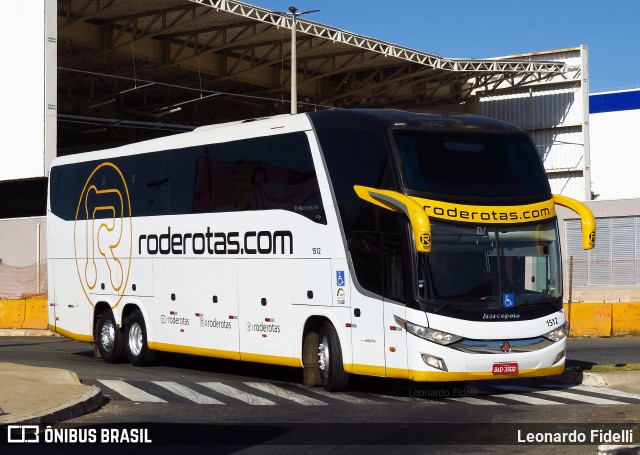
column 431, row 120
column 376, row 118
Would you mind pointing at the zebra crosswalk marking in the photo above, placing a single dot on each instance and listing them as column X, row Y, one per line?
column 527, row 399
column 405, row 399
column 522, row 398
column 187, row 393
column 610, row 392
column 472, row 400
column 560, row 394
column 238, row 394
column 132, row 393
column 340, row 396
column 576, row 397
column 491, row 395
column 284, row 393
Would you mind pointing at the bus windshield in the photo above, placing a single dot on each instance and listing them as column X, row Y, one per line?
column 491, row 267
column 482, row 164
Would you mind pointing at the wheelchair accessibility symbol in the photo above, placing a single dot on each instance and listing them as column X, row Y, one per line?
column 340, row 278
column 508, row 300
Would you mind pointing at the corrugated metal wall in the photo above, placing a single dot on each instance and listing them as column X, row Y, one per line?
column 554, row 114
column 610, row 271
column 615, row 154
column 615, row 261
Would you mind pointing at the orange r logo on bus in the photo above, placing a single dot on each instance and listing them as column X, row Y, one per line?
column 425, row 239
column 103, row 234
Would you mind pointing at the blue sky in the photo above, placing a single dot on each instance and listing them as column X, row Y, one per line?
column 494, row 28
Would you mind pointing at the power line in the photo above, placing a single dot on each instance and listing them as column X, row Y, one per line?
column 192, row 89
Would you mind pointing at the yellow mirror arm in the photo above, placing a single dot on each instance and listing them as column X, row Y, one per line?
column 397, row 202
column 587, row 218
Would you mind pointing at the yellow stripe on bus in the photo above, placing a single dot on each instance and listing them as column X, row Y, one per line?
column 429, row 376
column 222, row 354
column 73, row 336
column 443, row 376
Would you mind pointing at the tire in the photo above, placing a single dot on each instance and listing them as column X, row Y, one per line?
column 332, row 374
column 109, row 338
column 136, row 347
column 311, row 372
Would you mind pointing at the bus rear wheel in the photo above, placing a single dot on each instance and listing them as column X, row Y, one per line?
column 109, row 338
column 332, row 374
column 138, row 351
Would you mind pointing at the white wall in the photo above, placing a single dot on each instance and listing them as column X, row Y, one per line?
column 26, row 91
column 615, row 154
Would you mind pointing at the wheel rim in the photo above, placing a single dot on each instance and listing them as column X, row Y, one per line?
column 323, row 356
column 107, row 335
column 135, row 339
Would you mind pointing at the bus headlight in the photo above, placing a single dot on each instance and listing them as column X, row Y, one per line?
column 557, row 334
column 428, row 334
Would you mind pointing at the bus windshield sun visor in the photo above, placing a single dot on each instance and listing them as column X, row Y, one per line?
column 419, row 210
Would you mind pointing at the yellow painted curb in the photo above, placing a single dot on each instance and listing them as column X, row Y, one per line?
column 603, row 319
column 626, row 318
column 589, row 319
column 585, row 318
column 24, row 314
column 36, row 314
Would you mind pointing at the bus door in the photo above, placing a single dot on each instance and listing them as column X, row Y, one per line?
column 394, row 278
column 367, row 335
column 395, row 341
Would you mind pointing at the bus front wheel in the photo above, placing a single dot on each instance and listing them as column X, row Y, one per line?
column 109, row 338
column 138, row 351
column 332, row 373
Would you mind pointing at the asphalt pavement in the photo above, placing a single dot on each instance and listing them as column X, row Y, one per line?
column 39, row 395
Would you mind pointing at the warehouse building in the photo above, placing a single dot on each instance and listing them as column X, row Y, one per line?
column 110, row 73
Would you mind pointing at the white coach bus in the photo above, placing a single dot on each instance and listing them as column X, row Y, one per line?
column 373, row 242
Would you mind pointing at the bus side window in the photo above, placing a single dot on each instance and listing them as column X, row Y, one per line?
column 393, row 267
column 290, row 181
column 149, row 183
column 235, row 180
column 183, row 175
column 203, row 185
column 366, row 255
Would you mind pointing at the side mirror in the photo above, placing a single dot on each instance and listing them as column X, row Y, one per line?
column 397, row 202
column 587, row 218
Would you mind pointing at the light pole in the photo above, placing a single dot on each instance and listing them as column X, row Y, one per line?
column 294, row 72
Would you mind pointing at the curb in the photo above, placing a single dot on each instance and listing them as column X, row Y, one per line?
column 588, row 379
column 583, row 378
column 88, row 402
column 27, row 333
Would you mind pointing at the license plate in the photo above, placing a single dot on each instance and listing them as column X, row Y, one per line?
column 505, row 368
